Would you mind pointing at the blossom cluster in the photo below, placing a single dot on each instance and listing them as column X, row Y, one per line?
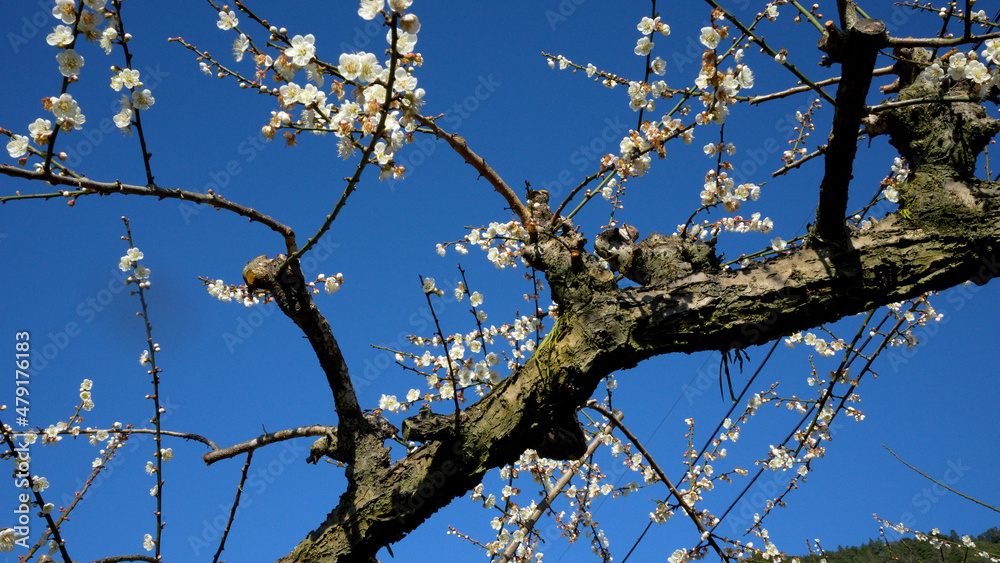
column 982, row 76
column 88, row 23
column 349, row 119
column 502, row 242
column 822, row 347
column 131, row 261
column 736, row 224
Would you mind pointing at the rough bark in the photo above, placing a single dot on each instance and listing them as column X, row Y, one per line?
column 949, row 233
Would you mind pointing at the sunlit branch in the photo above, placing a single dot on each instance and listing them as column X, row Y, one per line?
column 265, row 439
column 799, row 89
column 900, row 103
column 172, row 433
column 939, row 41
column 555, row 491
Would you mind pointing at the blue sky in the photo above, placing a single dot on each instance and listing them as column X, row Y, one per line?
column 231, row 372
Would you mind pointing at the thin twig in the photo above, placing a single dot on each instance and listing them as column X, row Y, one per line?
column 938, row 41
column 236, row 504
column 784, row 169
column 799, row 89
column 967, row 497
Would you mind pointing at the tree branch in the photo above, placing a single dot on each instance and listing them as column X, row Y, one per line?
column 856, row 49
column 105, row 188
column 685, row 302
column 265, row 439
column 458, row 144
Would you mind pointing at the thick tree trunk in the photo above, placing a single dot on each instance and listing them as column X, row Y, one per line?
column 949, row 233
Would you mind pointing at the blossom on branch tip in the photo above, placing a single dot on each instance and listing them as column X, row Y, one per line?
column 227, row 19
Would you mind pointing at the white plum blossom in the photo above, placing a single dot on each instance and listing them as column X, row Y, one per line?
column 69, row 62
column 107, row 37
column 370, row 8
column 302, row 51
column 17, row 146
column 240, row 46
column 65, row 10
column 227, row 20
column 643, row 46
column 61, row 36
column 710, row 37
column 142, row 99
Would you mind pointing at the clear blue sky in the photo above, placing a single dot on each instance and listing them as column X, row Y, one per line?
column 231, row 372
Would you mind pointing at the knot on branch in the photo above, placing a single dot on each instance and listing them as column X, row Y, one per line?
column 575, row 276
column 325, row 447
column 330, row 446
column 658, row 259
column 565, row 440
column 428, row 425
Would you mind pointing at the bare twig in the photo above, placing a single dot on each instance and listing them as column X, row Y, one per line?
column 236, row 504
column 938, row 41
column 105, row 188
column 784, row 169
column 935, row 481
column 799, row 89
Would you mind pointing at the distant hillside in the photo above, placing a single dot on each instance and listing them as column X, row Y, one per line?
column 909, row 550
